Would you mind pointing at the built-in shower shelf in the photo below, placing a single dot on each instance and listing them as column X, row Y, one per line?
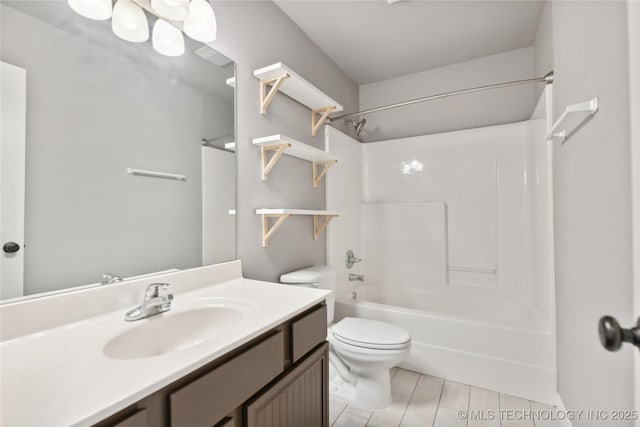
column 282, row 78
column 320, row 220
column 572, row 118
column 278, row 145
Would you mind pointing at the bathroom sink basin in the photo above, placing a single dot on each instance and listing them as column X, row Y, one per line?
column 175, row 331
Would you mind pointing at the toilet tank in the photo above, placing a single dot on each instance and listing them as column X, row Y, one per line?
column 319, row 276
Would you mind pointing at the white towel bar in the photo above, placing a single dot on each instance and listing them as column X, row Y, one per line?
column 154, row 174
column 581, row 112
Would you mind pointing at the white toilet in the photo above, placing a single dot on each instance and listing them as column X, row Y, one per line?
column 362, row 351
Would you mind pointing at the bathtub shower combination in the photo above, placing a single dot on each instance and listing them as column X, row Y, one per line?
column 455, row 233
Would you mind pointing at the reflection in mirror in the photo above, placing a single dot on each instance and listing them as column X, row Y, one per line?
column 116, row 161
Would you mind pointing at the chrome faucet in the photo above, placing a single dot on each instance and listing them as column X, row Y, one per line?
column 350, row 259
column 153, row 303
column 356, row 277
column 109, row 278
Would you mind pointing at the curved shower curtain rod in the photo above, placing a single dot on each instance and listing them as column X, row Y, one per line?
column 548, row 78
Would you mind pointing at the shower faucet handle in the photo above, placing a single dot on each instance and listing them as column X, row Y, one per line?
column 350, row 259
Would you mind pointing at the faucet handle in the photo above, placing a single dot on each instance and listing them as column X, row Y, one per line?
column 153, row 290
column 109, row 278
column 350, row 259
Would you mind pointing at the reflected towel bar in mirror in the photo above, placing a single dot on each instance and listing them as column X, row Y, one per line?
column 154, row 174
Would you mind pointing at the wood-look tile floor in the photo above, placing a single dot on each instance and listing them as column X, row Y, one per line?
column 422, row 401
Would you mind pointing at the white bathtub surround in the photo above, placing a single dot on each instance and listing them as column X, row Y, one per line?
column 77, row 383
column 347, row 175
column 487, row 353
column 455, row 233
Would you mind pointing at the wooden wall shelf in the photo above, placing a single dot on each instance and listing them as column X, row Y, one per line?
column 283, row 79
column 280, row 144
column 320, row 220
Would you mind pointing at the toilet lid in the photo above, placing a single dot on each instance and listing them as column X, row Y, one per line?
column 370, row 334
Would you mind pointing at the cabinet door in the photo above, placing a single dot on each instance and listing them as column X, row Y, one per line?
column 299, row 399
column 208, row 399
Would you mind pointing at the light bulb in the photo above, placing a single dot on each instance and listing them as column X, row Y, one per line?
column 201, row 23
column 175, row 10
column 100, row 10
column 167, row 39
column 129, row 22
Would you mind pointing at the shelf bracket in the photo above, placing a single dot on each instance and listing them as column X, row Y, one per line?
column 317, row 175
column 317, row 122
column 269, row 163
column 319, row 225
column 266, row 98
column 269, row 231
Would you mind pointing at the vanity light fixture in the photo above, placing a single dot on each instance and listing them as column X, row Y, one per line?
column 129, row 22
column 100, row 10
column 175, row 10
column 167, row 39
column 201, row 23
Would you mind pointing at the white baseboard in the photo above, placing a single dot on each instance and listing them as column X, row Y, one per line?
column 506, row 376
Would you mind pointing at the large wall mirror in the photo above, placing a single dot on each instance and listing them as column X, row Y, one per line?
column 115, row 159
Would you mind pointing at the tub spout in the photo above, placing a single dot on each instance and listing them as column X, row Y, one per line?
column 356, row 277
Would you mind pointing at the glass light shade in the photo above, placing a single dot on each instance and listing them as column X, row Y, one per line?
column 175, row 10
column 100, row 10
column 129, row 22
column 167, row 39
column 201, row 23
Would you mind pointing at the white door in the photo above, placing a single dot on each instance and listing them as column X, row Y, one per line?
column 614, row 329
column 13, row 91
column 634, row 72
column 218, row 206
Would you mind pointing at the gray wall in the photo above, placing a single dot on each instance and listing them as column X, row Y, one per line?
column 543, row 45
column 592, row 205
column 256, row 34
column 478, row 109
column 91, row 113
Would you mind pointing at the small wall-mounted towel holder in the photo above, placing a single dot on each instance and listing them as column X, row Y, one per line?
column 572, row 118
column 154, row 174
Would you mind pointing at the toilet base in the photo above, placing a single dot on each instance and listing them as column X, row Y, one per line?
column 371, row 390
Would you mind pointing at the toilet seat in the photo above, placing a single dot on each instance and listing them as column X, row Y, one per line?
column 371, row 334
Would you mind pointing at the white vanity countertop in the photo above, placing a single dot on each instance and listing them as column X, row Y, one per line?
column 61, row 376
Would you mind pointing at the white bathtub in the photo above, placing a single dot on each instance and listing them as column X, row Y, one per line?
column 494, row 344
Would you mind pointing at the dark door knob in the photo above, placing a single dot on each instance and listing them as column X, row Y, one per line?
column 612, row 335
column 11, row 247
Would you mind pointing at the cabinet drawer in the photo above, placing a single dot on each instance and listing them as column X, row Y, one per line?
column 139, row 419
column 227, row 422
column 308, row 331
column 207, row 400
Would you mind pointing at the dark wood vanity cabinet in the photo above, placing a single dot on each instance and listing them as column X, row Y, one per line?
column 279, row 379
column 297, row 399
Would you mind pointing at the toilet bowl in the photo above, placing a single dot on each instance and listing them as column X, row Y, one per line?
column 362, row 351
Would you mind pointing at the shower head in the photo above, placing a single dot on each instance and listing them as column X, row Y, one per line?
column 360, row 125
column 357, row 125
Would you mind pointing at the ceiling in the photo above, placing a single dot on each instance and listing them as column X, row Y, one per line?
column 372, row 40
